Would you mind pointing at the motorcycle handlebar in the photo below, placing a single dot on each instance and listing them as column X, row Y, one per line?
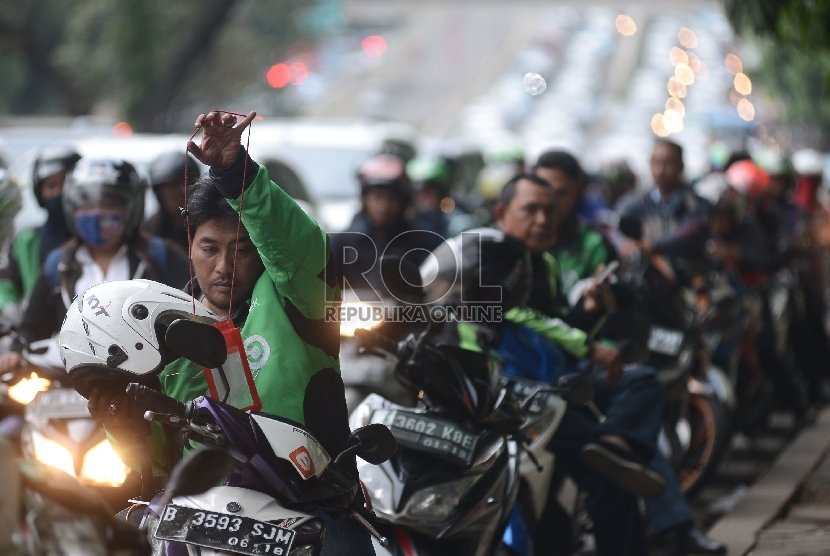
column 376, row 339
column 157, row 401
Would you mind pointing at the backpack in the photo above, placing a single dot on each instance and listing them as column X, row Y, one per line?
column 156, row 249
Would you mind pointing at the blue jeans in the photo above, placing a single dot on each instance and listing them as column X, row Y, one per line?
column 345, row 536
column 633, row 408
column 618, row 526
column 671, row 509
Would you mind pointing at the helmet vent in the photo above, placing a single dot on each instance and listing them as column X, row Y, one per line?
column 140, row 312
column 116, row 356
column 86, row 328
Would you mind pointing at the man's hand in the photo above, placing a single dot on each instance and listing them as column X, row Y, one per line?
column 10, row 361
column 595, row 293
column 610, row 359
column 110, row 408
column 220, row 140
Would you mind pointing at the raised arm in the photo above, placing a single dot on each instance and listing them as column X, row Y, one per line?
column 294, row 249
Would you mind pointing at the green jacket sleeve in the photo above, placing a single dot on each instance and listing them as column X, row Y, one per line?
column 572, row 340
column 292, row 246
column 19, row 267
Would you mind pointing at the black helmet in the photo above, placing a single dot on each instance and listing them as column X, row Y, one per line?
column 52, row 160
column 169, row 168
column 401, row 148
column 495, row 267
column 95, row 179
column 384, row 170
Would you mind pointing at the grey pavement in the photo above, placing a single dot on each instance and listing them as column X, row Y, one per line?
column 787, row 512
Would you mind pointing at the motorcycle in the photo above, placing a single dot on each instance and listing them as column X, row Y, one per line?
column 52, row 513
column 456, row 479
column 660, row 325
column 280, row 475
column 55, row 426
column 382, row 312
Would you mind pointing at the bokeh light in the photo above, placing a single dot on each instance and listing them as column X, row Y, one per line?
column 626, row 26
column 534, row 83
column 685, row 74
column 373, row 46
column 676, row 105
column 694, row 62
column 702, row 74
column 733, row 64
column 278, row 76
column 657, row 125
column 678, row 56
column 672, row 121
column 746, row 110
column 298, row 72
column 742, row 84
column 687, row 37
column 676, row 88
column 122, row 129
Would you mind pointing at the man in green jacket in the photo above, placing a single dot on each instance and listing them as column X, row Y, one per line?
column 283, row 289
column 20, row 264
column 581, row 252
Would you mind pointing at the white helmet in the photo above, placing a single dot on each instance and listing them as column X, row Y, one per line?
column 808, row 162
column 114, row 331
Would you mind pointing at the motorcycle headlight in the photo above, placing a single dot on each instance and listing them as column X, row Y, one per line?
column 52, row 453
column 377, row 485
column 359, row 315
column 438, row 502
column 103, row 467
column 25, row 391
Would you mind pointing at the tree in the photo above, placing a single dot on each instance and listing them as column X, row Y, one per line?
column 795, row 42
column 143, row 57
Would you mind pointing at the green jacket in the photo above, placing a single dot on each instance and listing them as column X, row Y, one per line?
column 555, row 330
column 19, row 267
column 579, row 256
column 290, row 337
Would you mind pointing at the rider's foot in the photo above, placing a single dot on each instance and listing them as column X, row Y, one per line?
column 620, row 466
column 695, row 541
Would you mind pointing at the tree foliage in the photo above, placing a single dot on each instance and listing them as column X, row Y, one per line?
column 795, row 43
column 141, row 59
column 799, row 23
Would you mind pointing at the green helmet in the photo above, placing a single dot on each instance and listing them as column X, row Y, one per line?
column 511, row 153
column 429, row 171
column 774, row 163
column 10, row 204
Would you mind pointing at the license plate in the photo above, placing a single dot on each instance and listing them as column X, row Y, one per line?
column 226, row 532
column 665, row 341
column 426, row 433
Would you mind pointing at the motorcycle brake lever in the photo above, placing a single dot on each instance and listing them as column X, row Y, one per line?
column 531, row 456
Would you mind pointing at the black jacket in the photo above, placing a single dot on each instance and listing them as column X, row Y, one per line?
column 47, row 306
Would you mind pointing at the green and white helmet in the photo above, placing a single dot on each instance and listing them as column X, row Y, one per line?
column 10, row 204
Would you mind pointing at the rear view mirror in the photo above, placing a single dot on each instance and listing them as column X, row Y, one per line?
column 373, row 443
column 576, row 389
column 198, row 342
column 198, row 472
column 631, row 228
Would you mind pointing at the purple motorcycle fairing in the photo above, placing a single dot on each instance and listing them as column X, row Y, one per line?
column 261, row 470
